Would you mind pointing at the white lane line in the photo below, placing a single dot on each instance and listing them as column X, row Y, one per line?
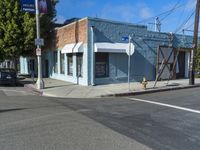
column 166, row 105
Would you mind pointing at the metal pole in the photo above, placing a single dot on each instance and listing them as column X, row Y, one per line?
column 92, row 57
column 40, row 82
column 129, row 62
column 194, row 49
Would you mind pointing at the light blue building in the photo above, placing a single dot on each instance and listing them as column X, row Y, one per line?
column 91, row 51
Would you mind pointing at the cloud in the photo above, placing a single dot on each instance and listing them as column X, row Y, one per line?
column 119, row 12
column 145, row 12
column 60, row 19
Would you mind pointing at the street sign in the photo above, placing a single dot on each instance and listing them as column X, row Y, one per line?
column 39, row 42
column 38, row 51
column 131, row 49
column 28, row 5
column 125, row 38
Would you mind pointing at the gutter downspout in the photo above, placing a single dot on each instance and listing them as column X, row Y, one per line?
column 92, row 57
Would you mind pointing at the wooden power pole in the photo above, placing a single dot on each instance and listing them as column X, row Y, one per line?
column 194, row 48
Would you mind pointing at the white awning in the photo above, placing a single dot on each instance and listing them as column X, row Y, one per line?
column 73, row 48
column 111, row 47
column 78, row 47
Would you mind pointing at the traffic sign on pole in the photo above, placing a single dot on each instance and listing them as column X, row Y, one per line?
column 131, row 49
column 39, row 42
column 38, row 51
column 28, row 6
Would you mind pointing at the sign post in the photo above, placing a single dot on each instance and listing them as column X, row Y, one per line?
column 40, row 82
column 130, row 50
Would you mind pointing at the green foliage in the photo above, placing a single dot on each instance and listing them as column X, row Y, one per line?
column 197, row 58
column 18, row 29
column 47, row 23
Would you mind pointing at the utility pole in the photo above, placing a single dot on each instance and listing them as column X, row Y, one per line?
column 194, row 48
column 40, row 82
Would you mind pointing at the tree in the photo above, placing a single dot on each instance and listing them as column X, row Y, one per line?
column 47, row 23
column 197, row 59
column 18, row 29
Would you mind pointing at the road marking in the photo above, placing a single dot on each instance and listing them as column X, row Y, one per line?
column 166, row 105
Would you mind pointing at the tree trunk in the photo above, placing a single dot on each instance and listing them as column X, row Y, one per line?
column 15, row 64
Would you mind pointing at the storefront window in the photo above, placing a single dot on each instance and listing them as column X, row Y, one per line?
column 101, row 67
column 80, row 64
column 62, row 63
column 55, row 61
column 70, row 64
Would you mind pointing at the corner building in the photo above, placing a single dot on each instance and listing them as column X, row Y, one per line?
column 91, row 51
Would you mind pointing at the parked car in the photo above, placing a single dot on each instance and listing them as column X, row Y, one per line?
column 8, row 76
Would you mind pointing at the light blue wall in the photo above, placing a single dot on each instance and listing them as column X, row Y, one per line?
column 143, row 61
column 65, row 77
column 23, row 65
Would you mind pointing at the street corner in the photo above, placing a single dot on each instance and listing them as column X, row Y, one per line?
column 33, row 89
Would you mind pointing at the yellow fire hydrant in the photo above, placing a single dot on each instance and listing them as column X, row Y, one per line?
column 144, row 83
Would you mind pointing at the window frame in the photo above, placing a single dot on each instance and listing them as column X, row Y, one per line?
column 55, row 61
column 70, row 60
column 62, row 63
column 102, row 63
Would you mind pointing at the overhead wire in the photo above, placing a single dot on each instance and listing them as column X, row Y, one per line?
column 185, row 22
column 171, row 11
column 190, row 25
column 181, row 16
column 163, row 13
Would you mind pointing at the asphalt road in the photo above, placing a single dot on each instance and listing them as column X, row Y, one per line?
column 161, row 121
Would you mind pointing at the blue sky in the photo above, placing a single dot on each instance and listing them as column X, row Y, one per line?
column 132, row 11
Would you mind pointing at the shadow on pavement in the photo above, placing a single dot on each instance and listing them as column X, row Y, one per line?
column 8, row 110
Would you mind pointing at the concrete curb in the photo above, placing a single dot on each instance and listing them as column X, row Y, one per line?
column 33, row 89
column 150, row 91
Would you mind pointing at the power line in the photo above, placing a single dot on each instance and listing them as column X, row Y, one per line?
column 171, row 11
column 163, row 13
column 190, row 25
column 181, row 16
column 184, row 23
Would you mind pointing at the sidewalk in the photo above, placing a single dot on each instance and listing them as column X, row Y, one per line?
column 57, row 88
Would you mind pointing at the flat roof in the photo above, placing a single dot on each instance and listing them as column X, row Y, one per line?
column 104, row 20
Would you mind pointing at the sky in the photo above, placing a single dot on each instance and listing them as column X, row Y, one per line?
column 174, row 15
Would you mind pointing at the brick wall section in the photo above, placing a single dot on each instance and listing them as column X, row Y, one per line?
column 72, row 33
